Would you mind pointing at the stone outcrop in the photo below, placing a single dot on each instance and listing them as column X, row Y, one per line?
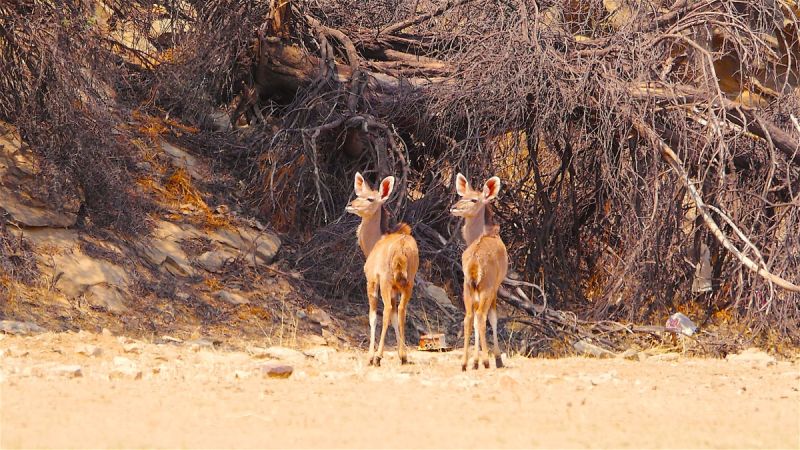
column 23, row 196
column 101, row 282
column 82, row 270
column 164, row 248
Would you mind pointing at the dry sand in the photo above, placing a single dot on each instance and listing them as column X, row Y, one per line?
column 188, row 396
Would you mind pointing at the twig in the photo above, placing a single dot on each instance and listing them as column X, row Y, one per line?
column 675, row 162
column 738, row 232
column 399, row 26
column 795, row 122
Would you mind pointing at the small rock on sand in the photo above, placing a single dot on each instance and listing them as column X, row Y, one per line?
column 124, row 369
column 753, row 356
column 197, row 344
column 67, row 370
column 316, row 340
column 88, row 350
column 666, row 357
column 586, row 348
column 241, row 374
column 284, row 353
column 132, row 347
column 628, row 354
column 121, row 361
column 276, row 370
column 125, row 373
column 319, row 353
column 257, row 352
column 19, row 328
column 168, row 340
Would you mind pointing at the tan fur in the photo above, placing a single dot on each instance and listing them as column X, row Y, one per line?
column 391, row 265
column 485, row 264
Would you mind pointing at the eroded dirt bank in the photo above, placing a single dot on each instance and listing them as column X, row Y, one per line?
column 89, row 391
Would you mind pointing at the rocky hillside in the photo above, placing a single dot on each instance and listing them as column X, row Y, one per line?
column 648, row 155
column 197, row 272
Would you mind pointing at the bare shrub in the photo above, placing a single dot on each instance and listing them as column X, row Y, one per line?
column 57, row 86
column 630, row 135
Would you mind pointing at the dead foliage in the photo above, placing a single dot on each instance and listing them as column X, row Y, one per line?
column 633, row 138
column 57, row 85
column 17, row 258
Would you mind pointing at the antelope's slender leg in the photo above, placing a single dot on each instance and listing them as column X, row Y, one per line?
column 475, row 325
column 386, row 295
column 396, row 326
column 468, row 319
column 372, row 294
column 482, row 314
column 401, row 344
column 498, row 360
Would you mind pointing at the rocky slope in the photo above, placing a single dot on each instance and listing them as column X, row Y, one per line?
column 198, row 272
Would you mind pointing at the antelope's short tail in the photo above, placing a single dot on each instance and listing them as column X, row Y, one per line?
column 474, row 274
column 400, row 268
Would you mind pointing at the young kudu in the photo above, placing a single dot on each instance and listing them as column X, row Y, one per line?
column 392, row 262
column 485, row 263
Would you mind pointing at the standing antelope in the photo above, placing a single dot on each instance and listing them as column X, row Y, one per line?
column 485, row 263
column 392, row 262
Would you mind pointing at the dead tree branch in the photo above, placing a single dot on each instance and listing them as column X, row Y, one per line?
column 672, row 159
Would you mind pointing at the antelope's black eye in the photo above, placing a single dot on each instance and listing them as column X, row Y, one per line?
column 474, row 200
column 370, row 200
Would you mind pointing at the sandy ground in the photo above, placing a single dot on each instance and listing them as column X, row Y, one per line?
column 126, row 393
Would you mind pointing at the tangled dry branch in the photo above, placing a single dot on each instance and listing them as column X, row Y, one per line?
column 620, row 129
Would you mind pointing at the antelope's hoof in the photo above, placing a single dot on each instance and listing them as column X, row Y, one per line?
column 371, row 359
column 377, row 361
column 475, row 365
column 403, row 360
column 498, row 362
column 486, row 364
column 464, row 367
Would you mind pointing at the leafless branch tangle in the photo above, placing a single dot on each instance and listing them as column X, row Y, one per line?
column 570, row 103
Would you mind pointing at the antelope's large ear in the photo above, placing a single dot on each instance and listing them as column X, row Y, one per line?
column 387, row 185
column 491, row 188
column 360, row 184
column 462, row 185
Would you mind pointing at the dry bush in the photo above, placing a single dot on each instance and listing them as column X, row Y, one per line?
column 17, row 259
column 57, row 85
column 556, row 100
column 608, row 121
